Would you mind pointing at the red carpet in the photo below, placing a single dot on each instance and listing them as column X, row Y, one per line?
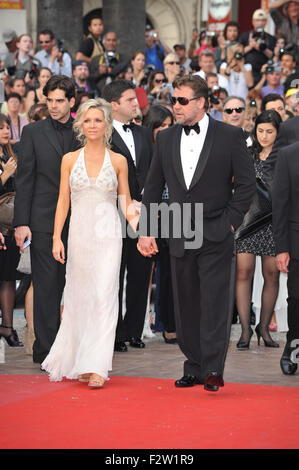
column 140, row 413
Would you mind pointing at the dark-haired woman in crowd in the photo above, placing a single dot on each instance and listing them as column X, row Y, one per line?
column 260, row 243
column 158, row 119
column 9, row 258
column 36, row 95
column 156, row 89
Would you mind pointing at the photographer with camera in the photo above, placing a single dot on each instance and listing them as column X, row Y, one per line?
column 81, row 78
column 270, row 81
column 53, row 55
column 287, row 24
column 237, row 72
column 228, row 38
column 102, row 65
column 215, row 103
column 21, row 63
column 156, row 48
column 258, row 45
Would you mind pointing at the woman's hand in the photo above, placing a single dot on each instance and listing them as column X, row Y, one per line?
column 58, row 250
column 9, row 167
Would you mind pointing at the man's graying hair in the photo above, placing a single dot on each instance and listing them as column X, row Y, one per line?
column 232, row 97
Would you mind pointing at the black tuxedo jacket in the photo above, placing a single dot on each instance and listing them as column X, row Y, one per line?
column 38, row 176
column 224, row 181
column 288, row 134
column 143, row 150
column 285, row 201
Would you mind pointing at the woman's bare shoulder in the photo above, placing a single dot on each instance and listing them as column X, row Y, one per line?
column 117, row 158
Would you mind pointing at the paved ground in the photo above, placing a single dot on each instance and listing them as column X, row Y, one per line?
column 258, row 365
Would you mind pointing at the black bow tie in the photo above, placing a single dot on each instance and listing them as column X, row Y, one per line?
column 128, row 126
column 195, row 127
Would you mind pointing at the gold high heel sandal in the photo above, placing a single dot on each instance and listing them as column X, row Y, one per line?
column 96, row 381
column 84, row 377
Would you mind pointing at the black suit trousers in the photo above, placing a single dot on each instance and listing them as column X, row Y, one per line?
column 293, row 300
column 138, row 276
column 203, row 287
column 48, row 277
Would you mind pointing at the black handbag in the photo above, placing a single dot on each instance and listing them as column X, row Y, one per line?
column 259, row 214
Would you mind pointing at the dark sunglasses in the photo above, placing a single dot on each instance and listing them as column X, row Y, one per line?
column 171, row 63
column 181, row 100
column 44, row 42
column 231, row 110
column 160, row 80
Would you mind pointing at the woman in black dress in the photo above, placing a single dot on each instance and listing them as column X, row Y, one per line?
column 9, row 257
column 261, row 243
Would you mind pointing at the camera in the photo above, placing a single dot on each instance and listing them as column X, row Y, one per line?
column 154, row 34
column 252, row 103
column 34, row 67
column 148, row 69
column 238, row 55
column 11, row 70
column 60, row 43
column 258, row 33
column 112, row 58
column 214, row 94
column 270, row 67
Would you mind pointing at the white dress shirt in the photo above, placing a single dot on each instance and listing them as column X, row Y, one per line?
column 55, row 67
column 191, row 147
column 127, row 137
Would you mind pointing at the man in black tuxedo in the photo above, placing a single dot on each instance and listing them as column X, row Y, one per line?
column 285, row 206
column 198, row 159
column 42, row 147
column 135, row 143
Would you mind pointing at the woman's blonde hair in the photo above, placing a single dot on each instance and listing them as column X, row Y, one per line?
column 101, row 105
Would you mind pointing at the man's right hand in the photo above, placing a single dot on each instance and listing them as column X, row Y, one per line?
column 21, row 233
column 282, row 262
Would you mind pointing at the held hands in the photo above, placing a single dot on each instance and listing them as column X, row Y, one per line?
column 58, row 250
column 282, row 262
column 147, row 246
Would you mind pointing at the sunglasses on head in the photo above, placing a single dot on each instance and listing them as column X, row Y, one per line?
column 231, row 110
column 171, row 63
column 181, row 100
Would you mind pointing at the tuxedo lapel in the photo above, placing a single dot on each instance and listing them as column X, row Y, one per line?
column 176, row 156
column 120, row 144
column 203, row 157
column 52, row 137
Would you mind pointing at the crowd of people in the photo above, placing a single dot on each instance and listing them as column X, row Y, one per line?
column 252, row 82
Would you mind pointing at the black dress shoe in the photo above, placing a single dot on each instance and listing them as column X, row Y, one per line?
column 213, row 381
column 120, row 346
column 287, row 366
column 136, row 343
column 187, row 381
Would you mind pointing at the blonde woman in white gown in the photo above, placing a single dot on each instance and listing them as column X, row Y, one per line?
column 91, row 180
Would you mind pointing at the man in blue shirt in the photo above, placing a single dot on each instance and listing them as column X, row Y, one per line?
column 156, row 49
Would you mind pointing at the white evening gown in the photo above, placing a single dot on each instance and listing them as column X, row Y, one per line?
column 85, row 340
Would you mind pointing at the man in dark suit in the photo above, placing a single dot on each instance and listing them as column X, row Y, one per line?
column 42, row 146
column 285, row 206
column 288, row 134
column 198, row 159
column 135, row 143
